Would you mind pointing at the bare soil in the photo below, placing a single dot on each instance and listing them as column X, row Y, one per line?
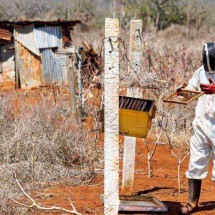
column 162, row 185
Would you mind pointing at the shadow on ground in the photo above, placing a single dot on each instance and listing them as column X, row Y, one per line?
column 143, row 192
column 207, row 206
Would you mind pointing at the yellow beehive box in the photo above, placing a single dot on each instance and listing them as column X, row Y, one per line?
column 135, row 116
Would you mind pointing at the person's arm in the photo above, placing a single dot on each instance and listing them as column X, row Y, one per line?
column 194, row 82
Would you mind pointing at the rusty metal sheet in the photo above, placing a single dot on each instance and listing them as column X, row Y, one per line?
column 48, row 37
column 40, row 23
column 30, row 68
column 52, row 68
column 5, row 34
column 7, row 75
column 25, row 36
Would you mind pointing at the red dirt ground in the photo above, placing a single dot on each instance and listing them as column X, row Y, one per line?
column 162, row 185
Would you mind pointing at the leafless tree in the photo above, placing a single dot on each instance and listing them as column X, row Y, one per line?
column 28, row 9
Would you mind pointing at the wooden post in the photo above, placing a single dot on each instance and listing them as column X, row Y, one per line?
column 17, row 63
column 111, row 117
column 134, row 70
column 71, row 84
column 80, row 109
column 1, row 64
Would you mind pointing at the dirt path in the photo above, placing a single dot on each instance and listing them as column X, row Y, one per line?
column 162, row 185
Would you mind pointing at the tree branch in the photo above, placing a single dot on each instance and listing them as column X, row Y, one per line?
column 36, row 205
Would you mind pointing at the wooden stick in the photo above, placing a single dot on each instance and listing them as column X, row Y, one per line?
column 72, row 84
column 36, row 205
column 170, row 98
column 17, row 63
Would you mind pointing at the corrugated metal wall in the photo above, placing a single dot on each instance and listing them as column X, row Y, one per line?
column 48, row 37
column 25, row 36
column 38, row 64
column 52, row 69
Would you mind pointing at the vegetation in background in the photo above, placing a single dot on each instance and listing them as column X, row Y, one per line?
column 158, row 13
column 59, row 150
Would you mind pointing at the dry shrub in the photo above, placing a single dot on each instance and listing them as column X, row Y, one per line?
column 164, row 66
column 163, row 69
column 41, row 143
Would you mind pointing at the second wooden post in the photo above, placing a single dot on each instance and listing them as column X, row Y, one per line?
column 134, row 70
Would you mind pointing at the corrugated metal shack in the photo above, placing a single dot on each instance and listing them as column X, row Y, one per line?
column 33, row 53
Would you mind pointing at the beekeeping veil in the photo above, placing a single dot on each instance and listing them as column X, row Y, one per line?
column 209, row 57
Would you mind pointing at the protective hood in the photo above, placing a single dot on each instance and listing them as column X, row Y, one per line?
column 208, row 53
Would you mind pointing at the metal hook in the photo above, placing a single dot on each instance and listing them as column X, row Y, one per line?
column 111, row 44
column 140, row 36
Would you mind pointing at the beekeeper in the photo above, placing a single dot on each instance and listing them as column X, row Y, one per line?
column 202, row 143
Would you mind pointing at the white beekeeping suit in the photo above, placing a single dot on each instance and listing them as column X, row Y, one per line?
column 202, row 143
column 203, row 140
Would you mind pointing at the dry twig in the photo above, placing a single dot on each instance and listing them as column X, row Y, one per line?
column 36, row 205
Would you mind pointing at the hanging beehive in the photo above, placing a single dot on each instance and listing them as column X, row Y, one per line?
column 135, row 116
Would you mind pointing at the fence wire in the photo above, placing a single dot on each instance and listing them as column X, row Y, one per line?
column 161, row 71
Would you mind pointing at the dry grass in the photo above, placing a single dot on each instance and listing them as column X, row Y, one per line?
column 40, row 143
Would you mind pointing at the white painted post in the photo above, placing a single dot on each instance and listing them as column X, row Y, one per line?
column 111, row 117
column 134, row 70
